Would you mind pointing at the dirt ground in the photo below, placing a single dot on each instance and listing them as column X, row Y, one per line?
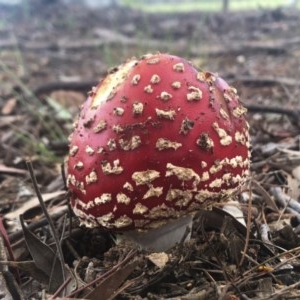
column 50, row 56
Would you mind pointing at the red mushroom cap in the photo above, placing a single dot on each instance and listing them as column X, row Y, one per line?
column 156, row 140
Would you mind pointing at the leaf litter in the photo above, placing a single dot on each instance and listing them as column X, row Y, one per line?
column 225, row 259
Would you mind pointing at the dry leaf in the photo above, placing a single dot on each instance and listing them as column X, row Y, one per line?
column 47, row 262
column 44, row 257
column 159, row 259
column 9, row 106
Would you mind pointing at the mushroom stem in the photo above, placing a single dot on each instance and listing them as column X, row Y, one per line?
column 164, row 237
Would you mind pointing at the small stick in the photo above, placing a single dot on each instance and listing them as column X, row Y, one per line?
column 249, row 214
column 51, row 225
column 285, row 200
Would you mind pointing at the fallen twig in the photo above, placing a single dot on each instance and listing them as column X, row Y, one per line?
column 266, row 80
column 50, row 222
column 282, row 198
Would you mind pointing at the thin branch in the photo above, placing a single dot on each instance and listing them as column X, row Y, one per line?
column 292, row 113
column 51, row 224
column 249, row 215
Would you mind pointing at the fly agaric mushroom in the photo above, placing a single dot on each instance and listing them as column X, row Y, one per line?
column 156, row 141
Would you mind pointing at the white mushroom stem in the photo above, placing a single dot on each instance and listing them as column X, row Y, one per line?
column 164, row 237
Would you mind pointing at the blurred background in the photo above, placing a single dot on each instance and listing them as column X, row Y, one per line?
column 53, row 51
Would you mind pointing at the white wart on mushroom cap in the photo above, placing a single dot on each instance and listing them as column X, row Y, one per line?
column 156, row 139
